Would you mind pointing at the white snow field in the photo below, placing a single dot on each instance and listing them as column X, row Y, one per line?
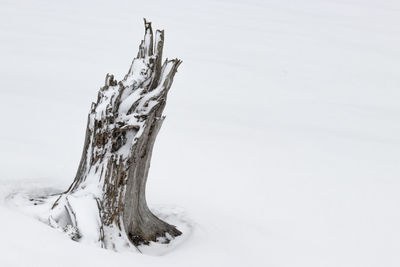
column 281, row 145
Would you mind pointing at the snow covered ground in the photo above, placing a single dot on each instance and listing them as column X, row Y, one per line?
column 281, row 145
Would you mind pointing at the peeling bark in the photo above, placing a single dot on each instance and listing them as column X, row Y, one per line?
column 122, row 127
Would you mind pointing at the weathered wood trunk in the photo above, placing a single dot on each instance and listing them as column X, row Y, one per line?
column 106, row 202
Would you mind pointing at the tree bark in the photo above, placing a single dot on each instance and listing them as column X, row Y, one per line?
column 106, row 202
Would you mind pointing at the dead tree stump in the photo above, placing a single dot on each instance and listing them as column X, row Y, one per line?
column 106, row 202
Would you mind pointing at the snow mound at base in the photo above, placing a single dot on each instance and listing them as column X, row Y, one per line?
column 37, row 203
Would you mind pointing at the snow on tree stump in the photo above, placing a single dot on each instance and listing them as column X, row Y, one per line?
column 106, row 202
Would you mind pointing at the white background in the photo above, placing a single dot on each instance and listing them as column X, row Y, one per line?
column 282, row 137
